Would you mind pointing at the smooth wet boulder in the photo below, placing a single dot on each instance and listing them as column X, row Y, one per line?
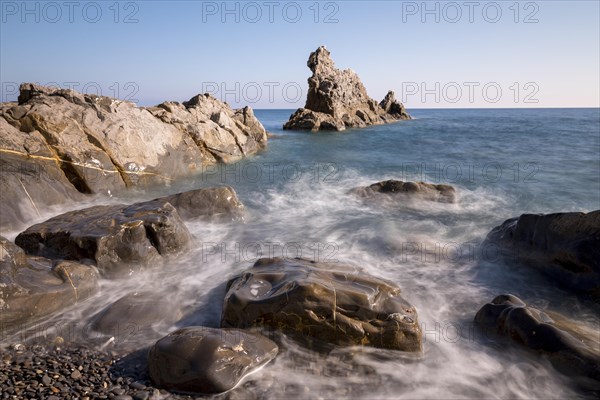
column 219, row 203
column 119, row 239
column 399, row 190
column 133, row 316
column 32, row 288
column 337, row 100
column 573, row 350
column 563, row 246
column 207, row 360
column 332, row 303
column 68, row 144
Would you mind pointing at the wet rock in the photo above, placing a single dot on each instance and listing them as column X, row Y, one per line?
column 207, row 360
column 338, row 100
column 572, row 350
column 135, row 314
column 399, row 190
column 323, row 302
column 119, row 239
column 220, row 203
column 75, row 144
column 34, row 287
column 563, row 246
column 32, row 176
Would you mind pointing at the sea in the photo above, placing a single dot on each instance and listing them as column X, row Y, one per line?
column 502, row 163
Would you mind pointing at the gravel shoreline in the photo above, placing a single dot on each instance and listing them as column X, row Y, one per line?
column 75, row 372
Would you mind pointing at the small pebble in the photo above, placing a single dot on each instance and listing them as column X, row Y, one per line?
column 76, row 374
column 141, row 395
column 46, row 380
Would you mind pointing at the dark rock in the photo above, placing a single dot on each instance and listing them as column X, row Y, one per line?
column 563, row 246
column 58, row 145
column 337, row 100
column 219, row 203
column 118, row 238
column 135, row 314
column 207, row 360
column 571, row 349
column 399, row 190
column 34, row 287
column 332, row 303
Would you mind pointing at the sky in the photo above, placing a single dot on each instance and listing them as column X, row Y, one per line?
column 435, row 54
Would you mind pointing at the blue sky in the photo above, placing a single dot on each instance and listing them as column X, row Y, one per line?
column 433, row 54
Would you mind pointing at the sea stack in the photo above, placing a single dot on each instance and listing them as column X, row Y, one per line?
column 338, row 100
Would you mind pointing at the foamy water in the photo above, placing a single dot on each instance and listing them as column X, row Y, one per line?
column 299, row 206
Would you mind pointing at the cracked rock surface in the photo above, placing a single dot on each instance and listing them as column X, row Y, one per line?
column 57, row 145
column 330, row 302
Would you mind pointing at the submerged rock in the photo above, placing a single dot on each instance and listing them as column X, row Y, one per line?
column 220, row 203
column 563, row 246
column 206, row 360
column 326, row 302
column 399, row 190
column 132, row 316
column 32, row 288
column 119, row 239
column 338, row 100
column 571, row 349
column 58, row 145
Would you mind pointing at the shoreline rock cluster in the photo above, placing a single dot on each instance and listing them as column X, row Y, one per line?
column 338, row 100
column 59, row 145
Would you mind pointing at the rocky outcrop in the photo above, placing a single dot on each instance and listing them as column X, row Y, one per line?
column 323, row 302
column 58, row 145
column 338, row 100
column 118, row 239
column 207, row 360
column 563, row 246
column 32, row 288
column 399, row 190
column 571, row 349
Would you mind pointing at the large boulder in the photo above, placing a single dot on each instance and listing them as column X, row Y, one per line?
column 563, row 246
column 32, row 288
column 65, row 144
column 206, row 360
column 338, row 100
column 119, row 239
column 399, row 190
column 571, row 349
column 324, row 302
